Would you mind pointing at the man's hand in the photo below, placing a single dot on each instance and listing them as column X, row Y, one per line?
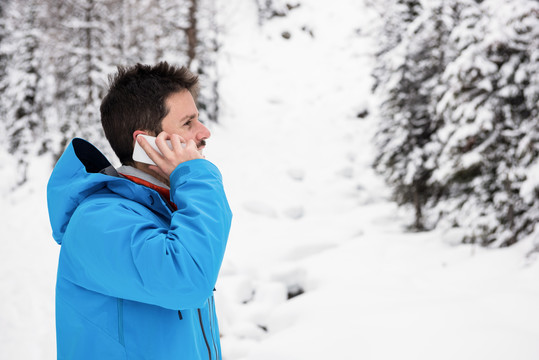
column 171, row 158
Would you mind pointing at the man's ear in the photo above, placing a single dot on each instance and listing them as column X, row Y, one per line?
column 137, row 133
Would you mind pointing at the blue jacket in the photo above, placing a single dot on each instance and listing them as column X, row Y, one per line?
column 135, row 278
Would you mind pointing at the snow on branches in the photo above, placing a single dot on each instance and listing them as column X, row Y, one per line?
column 458, row 136
column 55, row 59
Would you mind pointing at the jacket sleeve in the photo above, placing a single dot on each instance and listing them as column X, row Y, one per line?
column 128, row 252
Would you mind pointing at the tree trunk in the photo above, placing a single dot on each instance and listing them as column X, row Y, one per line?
column 418, row 209
column 191, row 33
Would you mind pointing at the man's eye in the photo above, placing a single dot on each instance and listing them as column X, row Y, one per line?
column 187, row 123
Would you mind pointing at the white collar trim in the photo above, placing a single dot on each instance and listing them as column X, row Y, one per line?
column 132, row 171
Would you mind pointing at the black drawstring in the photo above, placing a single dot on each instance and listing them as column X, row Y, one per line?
column 180, row 313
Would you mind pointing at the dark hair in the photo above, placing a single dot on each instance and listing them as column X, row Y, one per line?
column 136, row 100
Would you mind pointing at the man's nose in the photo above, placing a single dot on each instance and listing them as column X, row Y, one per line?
column 203, row 132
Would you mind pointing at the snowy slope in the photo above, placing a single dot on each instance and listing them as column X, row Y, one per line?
column 310, row 216
column 28, row 259
column 310, row 213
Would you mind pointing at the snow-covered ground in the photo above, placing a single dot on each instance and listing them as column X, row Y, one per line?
column 311, row 218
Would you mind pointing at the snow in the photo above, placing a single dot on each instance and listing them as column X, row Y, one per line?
column 310, row 219
column 530, row 186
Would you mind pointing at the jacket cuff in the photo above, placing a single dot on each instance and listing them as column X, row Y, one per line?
column 197, row 168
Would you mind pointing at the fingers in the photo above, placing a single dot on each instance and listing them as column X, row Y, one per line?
column 177, row 141
column 145, row 145
column 169, row 143
column 162, row 145
column 174, row 151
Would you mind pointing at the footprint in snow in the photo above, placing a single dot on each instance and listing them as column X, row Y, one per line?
column 260, row 208
column 296, row 174
column 294, row 212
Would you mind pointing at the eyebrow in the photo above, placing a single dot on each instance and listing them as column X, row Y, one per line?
column 189, row 117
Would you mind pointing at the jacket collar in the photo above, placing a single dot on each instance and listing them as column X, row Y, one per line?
column 145, row 179
column 133, row 171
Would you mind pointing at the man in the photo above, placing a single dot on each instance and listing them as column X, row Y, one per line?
column 141, row 245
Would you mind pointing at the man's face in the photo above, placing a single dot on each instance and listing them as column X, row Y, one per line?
column 182, row 119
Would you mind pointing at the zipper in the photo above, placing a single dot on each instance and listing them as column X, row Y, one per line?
column 211, row 307
column 204, row 333
column 120, row 306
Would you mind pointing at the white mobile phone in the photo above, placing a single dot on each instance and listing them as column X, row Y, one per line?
column 140, row 155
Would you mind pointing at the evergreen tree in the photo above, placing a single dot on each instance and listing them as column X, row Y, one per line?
column 24, row 83
column 413, row 70
column 204, row 59
column 151, row 31
column 396, row 16
column 81, row 55
column 3, row 34
column 490, row 112
column 3, row 64
column 458, row 135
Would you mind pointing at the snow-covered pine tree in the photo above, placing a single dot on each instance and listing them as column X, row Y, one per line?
column 185, row 34
column 409, row 75
column 204, row 62
column 23, row 83
column 132, row 31
column 150, row 31
column 3, row 58
column 83, row 55
column 466, row 130
column 171, row 32
column 3, row 34
column 490, row 114
column 396, row 16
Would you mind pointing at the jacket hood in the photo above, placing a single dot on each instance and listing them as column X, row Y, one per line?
column 81, row 171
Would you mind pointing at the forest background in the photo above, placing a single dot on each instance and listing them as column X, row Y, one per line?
column 457, row 83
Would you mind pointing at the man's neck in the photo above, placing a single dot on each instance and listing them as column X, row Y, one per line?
column 144, row 173
column 146, row 168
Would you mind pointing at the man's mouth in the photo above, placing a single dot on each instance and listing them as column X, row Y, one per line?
column 201, row 145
